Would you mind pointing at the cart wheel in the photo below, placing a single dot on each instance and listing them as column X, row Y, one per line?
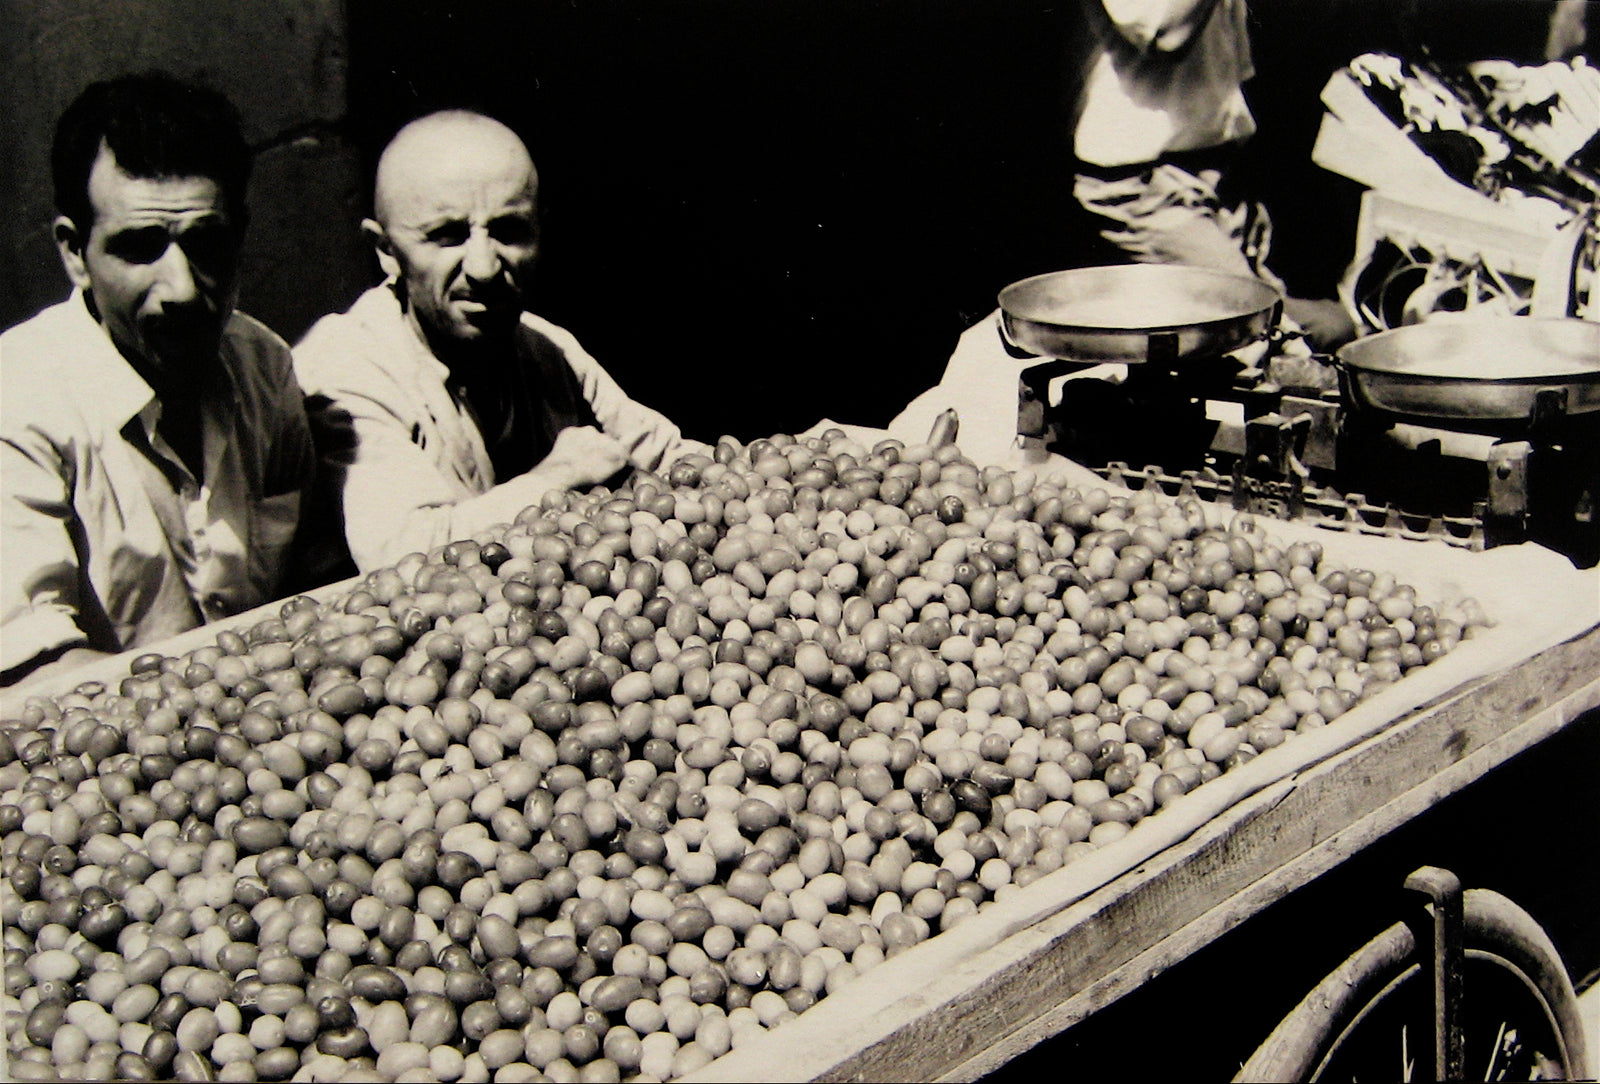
column 1507, row 1010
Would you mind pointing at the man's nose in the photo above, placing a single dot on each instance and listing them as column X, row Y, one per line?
column 175, row 278
column 482, row 259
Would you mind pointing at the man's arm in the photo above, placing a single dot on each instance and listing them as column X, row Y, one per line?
column 38, row 563
column 290, row 466
column 651, row 439
column 395, row 501
column 295, row 454
column 52, row 663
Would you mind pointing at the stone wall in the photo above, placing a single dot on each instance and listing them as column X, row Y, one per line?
column 282, row 62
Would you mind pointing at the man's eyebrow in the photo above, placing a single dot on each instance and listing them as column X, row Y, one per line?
column 138, row 229
column 208, row 220
column 137, row 234
column 514, row 210
column 519, row 217
column 429, row 225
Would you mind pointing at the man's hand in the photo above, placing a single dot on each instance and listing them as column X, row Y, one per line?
column 1327, row 325
column 583, row 456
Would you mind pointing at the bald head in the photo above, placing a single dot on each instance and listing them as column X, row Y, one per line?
column 445, row 152
column 456, row 225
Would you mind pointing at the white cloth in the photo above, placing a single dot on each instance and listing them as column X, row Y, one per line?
column 1165, row 76
column 1169, row 215
column 418, row 474
column 980, row 383
column 106, row 538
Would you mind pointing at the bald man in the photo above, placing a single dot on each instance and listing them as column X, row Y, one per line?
column 443, row 407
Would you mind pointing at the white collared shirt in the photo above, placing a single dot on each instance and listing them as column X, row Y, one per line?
column 1141, row 101
column 106, row 538
column 412, row 470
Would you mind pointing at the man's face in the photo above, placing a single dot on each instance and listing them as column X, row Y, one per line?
column 160, row 263
column 461, row 231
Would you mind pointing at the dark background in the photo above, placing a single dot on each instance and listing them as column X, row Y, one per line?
column 758, row 212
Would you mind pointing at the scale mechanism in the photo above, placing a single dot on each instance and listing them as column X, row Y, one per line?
column 1383, row 439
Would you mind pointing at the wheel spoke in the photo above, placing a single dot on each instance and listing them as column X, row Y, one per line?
column 1494, row 1052
column 1510, row 980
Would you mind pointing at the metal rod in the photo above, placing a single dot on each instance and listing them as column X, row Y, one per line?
column 1443, row 889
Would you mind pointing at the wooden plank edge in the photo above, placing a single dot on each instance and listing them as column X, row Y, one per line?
column 1279, row 883
column 941, row 972
column 1313, row 789
column 114, row 668
column 930, row 967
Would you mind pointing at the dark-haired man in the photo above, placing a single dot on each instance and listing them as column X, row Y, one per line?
column 153, row 442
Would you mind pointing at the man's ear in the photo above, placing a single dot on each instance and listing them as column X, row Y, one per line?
column 70, row 243
column 380, row 244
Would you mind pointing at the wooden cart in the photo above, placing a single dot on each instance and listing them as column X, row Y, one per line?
column 1006, row 997
column 963, row 1005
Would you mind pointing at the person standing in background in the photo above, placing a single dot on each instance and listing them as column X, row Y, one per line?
column 153, row 442
column 1159, row 121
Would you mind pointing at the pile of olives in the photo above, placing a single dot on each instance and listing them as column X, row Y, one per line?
column 646, row 773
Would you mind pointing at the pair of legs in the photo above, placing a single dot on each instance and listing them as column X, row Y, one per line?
column 1167, row 213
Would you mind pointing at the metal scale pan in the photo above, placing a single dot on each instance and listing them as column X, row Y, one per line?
column 1505, row 409
column 1137, row 313
column 1174, row 328
column 1473, row 369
